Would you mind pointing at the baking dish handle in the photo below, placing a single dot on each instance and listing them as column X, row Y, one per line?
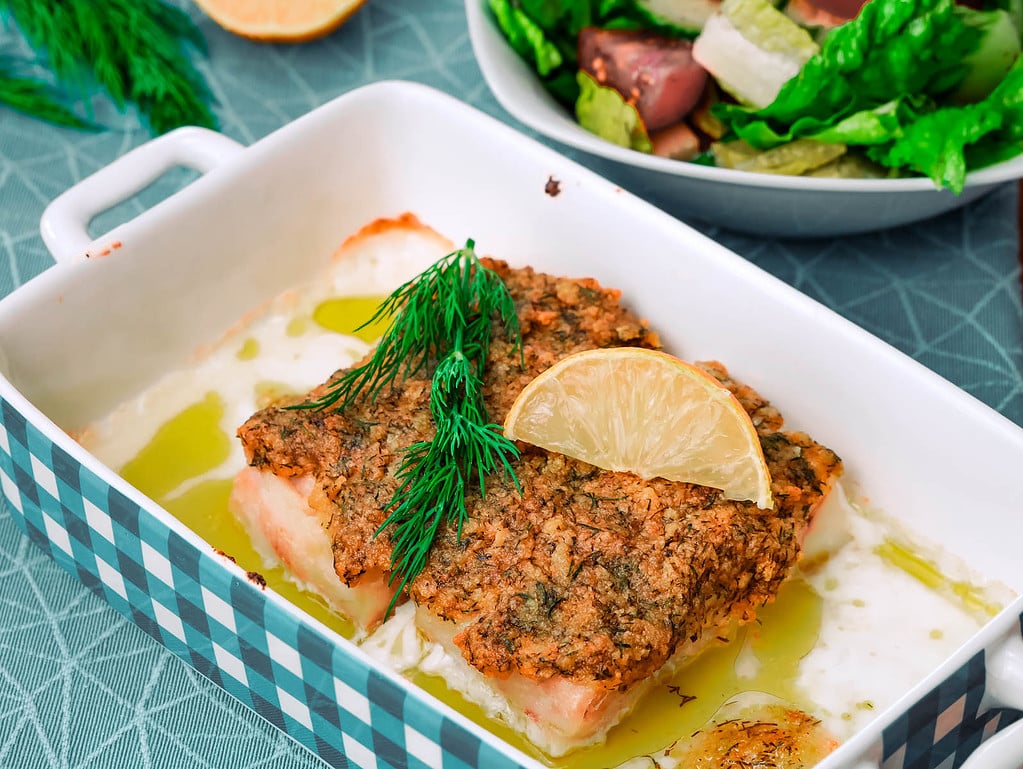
column 1004, row 689
column 65, row 222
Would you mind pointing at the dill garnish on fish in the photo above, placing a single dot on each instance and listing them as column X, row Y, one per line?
column 442, row 317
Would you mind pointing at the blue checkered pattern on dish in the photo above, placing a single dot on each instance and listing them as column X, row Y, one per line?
column 946, row 725
column 311, row 686
column 206, row 611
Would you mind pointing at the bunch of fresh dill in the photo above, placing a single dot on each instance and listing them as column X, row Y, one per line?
column 442, row 318
column 22, row 92
column 137, row 51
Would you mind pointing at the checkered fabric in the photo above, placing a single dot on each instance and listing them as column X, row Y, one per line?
column 317, row 689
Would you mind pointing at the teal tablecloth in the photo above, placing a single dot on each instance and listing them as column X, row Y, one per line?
column 81, row 687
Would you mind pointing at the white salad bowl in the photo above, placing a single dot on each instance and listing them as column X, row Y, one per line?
column 119, row 311
column 760, row 204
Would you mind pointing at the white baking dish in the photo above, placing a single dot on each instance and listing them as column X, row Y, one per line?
column 120, row 310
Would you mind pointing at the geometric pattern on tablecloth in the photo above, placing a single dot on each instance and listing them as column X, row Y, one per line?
column 316, row 688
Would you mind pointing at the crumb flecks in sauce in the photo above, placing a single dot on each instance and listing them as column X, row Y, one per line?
column 854, row 629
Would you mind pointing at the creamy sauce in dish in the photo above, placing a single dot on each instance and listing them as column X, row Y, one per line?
column 845, row 637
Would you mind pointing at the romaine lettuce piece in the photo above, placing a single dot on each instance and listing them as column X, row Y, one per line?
column 886, row 80
column 948, row 142
column 752, row 49
column 879, row 125
column 852, row 166
column 934, row 145
column 892, row 49
column 999, row 47
column 603, row 111
column 526, row 37
column 1013, row 7
column 687, row 17
column 943, row 143
column 793, row 159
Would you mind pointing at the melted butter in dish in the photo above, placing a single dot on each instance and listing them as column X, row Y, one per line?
column 850, row 632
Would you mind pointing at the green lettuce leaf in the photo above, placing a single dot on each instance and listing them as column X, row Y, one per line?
column 894, row 48
column 545, row 33
column 876, row 126
column 793, row 159
column 603, row 111
column 946, row 143
column 888, row 81
column 526, row 37
column 935, row 144
column 985, row 67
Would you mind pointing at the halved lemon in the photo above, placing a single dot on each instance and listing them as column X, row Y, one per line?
column 642, row 411
column 284, row 21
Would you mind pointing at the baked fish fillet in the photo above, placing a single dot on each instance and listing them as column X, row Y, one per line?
column 563, row 603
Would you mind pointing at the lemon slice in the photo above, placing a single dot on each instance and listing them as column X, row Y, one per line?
column 285, row 21
column 641, row 411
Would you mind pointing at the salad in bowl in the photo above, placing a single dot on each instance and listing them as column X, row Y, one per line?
column 797, row 118
column 832, row 88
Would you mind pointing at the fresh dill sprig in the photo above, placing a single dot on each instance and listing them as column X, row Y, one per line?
column 36, row 98
column 444, row 316
column 455, row 298
column 136, row 50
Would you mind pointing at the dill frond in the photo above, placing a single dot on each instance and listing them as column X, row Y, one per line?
column 455, row 297
column 36, row 98
column 135, row 50
column 443, row 318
